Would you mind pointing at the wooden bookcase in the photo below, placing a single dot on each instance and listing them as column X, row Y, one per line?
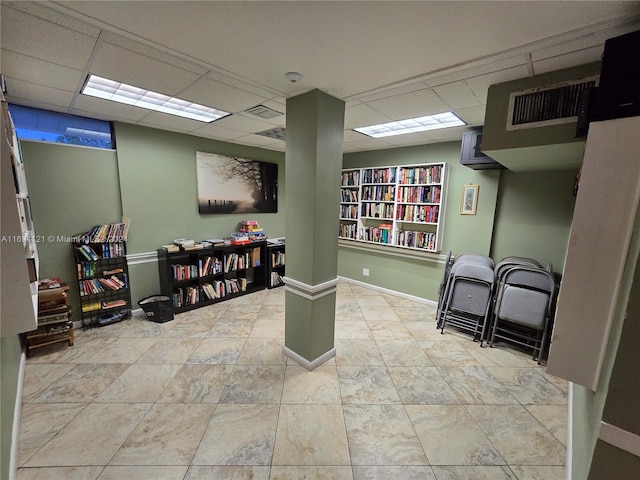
column 195, row 278
column 276, row 265
column 54, row 320
column 400, row 206
column 103, row 282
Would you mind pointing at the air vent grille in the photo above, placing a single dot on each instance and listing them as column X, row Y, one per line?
column 278, row 133
column 548, row 105
column 263, row 112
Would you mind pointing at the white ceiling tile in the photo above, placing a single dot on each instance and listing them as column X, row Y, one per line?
column 18, row 90
column 475, row 71
column 390, row 92
column 171, row 122
column 362, row 115
column 214, row 130
column 41, row 10
column 407, row 139
column 472, row 115
column 368, row 143
column 149, row 51
column 409, row 105
column 352, row 136
column 220, row 95
column 479, row 85
column 251, row 87
column 92, row 114
column 107, row 107
column 23, row 33
column 244, row 123
column 447, row 134
column 139, row 70
column 565, row 61
column 27, row 68
column 457, row 95
column 258, row 140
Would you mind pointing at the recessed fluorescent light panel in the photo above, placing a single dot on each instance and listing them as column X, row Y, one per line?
column 412, row 125
column 121, row 92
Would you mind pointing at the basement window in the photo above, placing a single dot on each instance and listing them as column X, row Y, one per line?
column 54, row 127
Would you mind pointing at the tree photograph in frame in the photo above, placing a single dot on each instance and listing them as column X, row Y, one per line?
column 235, row 185
column 469, row 200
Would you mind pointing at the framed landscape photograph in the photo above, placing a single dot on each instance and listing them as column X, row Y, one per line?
column 235, row 185
column 469, row 203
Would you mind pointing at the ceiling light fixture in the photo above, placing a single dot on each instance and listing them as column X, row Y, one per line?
column 412, row 125
column 122, row 93
column 293, row 77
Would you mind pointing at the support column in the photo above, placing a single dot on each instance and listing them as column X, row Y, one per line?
column 313, row 164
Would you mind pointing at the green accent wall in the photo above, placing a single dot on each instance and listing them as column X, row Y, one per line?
column 533, row 216
column 157, row 171
column 71, row 189
column 10, row 355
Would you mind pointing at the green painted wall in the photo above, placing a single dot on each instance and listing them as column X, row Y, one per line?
column 533, row 216
column 71, row 189
column 10, row 353
column 462, row 233
column 158, row 182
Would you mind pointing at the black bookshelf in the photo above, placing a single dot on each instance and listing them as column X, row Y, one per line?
column 200, row 277
column 276, row 264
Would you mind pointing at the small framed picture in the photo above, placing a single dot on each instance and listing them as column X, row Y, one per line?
column 469, row 203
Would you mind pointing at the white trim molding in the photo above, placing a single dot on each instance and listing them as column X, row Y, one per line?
column 413, row 298
column 310, row 292
column 143, row 257
column 622, row 439
column 306, row 363
column 17, row 415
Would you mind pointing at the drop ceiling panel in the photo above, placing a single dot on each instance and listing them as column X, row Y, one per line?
column 170, row 122
column 214, row 130
column 480, row 85
column 108, row 108
column 23, row 33
column 447, row 134
column 36, row 93
column 457, row 95
column 27, row 68
column 482, row 68
column 565, row 61
column 362, row 115
column 257, row 140
column 369, row 144
column 409, row 105
column 129, row 67
column 406, row 139
column 244, row 123
column 152, row 52
column 390, row 92
column 472, row 115
column 39, row 9
column 220, row 95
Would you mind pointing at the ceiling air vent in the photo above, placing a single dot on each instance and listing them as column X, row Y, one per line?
column 550, row 105
column 278, row 133
column 263, row 112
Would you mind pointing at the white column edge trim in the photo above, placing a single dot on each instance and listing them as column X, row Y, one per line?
column 310, row 292
column 622, row 439
column 306, row 363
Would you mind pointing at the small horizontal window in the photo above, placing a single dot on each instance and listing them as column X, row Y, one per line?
column 45, row 126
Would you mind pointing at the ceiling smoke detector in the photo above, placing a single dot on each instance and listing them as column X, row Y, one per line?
column 293, row 77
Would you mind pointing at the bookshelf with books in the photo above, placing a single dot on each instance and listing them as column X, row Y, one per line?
column 399, row 206
column 103, row 274
column 195, row 278
column 276, row 258
column 349, row 203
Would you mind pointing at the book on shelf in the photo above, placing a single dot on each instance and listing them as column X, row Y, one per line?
column 171, row 248
column 111, row 232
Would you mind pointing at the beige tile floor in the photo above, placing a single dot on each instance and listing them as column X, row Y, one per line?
column 209, row 395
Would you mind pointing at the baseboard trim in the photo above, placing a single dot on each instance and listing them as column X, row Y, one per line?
column 17, row 413
column 388, row 291
column 306, row 363
column 620, row 438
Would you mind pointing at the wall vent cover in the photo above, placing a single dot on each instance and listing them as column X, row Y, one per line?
column 549, row 105
column 263, row 112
